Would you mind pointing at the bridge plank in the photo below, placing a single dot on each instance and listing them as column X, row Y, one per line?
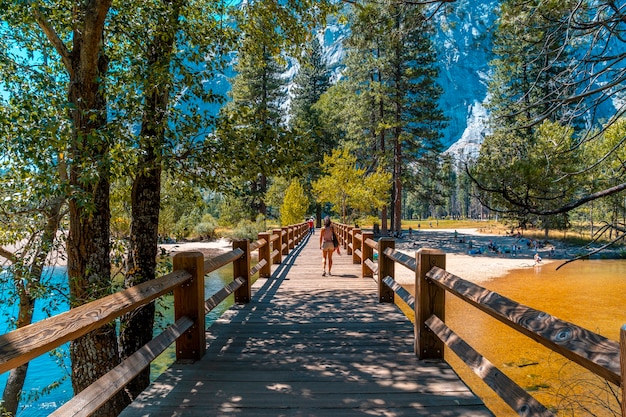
column 309, row 345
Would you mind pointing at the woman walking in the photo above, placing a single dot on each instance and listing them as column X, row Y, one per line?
column 326, row 245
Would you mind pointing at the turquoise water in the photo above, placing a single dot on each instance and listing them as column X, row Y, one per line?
column 46, row 369
column 55, row 369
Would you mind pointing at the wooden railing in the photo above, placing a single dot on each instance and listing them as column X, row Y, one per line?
column 190, row 307
column 603, row 357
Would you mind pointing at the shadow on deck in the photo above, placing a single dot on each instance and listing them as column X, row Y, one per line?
column 309, row 345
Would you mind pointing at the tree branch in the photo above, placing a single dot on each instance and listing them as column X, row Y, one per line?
column 8, row 255
column 54, row 39
column 528, row 208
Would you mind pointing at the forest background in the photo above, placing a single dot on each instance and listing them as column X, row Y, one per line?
column 116, row 132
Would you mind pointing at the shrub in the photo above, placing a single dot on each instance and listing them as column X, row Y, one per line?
column 206, row 228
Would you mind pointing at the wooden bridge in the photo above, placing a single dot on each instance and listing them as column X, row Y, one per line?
column 299, row 344
column 308, row 345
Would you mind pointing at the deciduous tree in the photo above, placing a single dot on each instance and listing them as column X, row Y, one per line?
column 346, row 186
column 295, row 205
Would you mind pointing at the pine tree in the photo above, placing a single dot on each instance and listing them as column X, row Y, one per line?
column 311, row 81
column 313, row 139
column 393, row 66
column 526, row 135
column 252, row 129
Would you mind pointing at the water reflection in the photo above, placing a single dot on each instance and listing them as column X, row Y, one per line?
column 587, row 293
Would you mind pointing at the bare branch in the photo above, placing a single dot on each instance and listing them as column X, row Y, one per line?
column 600, row 249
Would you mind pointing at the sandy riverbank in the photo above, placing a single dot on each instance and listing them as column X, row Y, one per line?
column 474, row 267
column 463, row 257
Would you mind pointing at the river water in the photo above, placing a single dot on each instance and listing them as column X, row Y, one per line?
column 591, row 294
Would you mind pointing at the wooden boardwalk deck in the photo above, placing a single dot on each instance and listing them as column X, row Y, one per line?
column 309, row 345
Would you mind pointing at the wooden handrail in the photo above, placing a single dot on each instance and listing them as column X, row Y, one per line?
column 256, row 245
column 516, row 397
column 586, row 348
column 401, row 292
column 215, row 263
column 86, row 402
column 93, row 397
column 24, row 344
column 601, row 356
column 401, row 258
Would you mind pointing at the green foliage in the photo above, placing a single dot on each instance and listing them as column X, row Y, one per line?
column 251, row 136
column 531, row 170
column 531, row 162
column 306, row 122
column 275, row 195
column 232, row 210
column 206, row 228
column 252, row 142
column 182, row 207
column 347, row 187
column 247, row 229
column 387, row 101
column 120, row 208
column 295, row 206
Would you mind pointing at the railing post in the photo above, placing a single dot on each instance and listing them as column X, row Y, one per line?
column 349, row 240
column 278, row 246
column 338, row 231
column 241, row 269
column 386, row 268
column 285, row 241
column 368, row 253
column 622, row 360
column 304, row 229
column 355, row 258
column 429, row 300
column 189, row 301
column 264, row 253
column 296, row 235
column 291, row 237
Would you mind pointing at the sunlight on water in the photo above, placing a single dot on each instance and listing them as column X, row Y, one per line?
column 590, row 294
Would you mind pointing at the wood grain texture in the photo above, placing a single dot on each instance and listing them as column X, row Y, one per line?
column 86, row 402
column 400, row 292
column 216, row 262
column 586, row 348
column 310, row 345
column 221, row 295
column 22, row 345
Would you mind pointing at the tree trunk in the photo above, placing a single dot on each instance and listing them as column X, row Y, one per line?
column 137, row 327
column 318, row 215
column 13, row 389
column 397, row 197
column 89, row 266
column 17, row 376
column 383, row 221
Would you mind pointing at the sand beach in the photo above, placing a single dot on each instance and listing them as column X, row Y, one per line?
column 467, row 252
